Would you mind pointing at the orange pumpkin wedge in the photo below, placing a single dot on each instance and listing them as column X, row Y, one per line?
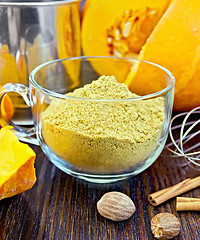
column 8, row 67
column 68, row 39
column 16, row 165
column 171, row 40
column 7, row 109
column 175, row 44
column 118, row 28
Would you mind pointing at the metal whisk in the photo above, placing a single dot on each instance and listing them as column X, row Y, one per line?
column 190, row 156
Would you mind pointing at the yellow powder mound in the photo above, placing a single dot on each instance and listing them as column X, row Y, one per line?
column 103, row 136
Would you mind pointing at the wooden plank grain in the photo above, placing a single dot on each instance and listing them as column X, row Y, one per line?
column 62, row 207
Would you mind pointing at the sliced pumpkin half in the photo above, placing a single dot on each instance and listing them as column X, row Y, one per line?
column 163, row 32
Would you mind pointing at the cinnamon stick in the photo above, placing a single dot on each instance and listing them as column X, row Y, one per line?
column 173, row 191
column 187, row 204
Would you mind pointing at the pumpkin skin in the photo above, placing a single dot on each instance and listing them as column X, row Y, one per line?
column 99, row 17
column 175, row 44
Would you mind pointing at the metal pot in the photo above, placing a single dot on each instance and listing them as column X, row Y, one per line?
column 32, row 33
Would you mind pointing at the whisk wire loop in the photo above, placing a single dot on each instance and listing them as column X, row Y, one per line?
column 190, row 156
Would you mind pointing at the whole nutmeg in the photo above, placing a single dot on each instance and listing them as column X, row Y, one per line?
column 116, row 206
column 165, row 226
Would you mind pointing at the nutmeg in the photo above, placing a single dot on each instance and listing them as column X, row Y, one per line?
column 116, row 206
column 165, row 226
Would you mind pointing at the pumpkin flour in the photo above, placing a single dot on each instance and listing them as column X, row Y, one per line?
column 103, row 136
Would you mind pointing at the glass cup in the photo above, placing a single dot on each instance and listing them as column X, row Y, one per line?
column 31, row 33
column 100, row 139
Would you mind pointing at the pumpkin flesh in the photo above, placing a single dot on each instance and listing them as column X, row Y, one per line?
column 175, row 44
column 16, row 165
column 121, row 31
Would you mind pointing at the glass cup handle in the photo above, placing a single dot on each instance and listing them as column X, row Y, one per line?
column 24, row 134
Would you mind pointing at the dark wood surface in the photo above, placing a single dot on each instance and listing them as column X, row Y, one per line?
column 62, row 207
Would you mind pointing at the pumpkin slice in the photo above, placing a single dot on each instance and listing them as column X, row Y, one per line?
column 9, row 73
column 8, row 67
column 118, row 29
column 175, row 44
column 7, row 109
column 68, row 39
column 16, row 165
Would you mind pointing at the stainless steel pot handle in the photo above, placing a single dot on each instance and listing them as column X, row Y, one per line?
column 24, row 134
